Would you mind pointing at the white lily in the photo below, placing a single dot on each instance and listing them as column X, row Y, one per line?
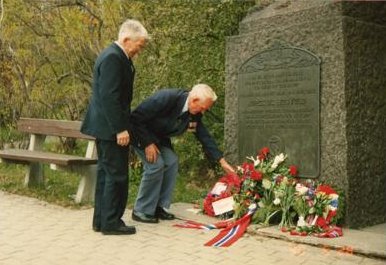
column 277, row 160
column 256, row 161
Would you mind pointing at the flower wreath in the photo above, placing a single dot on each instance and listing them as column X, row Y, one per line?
column 225, row 187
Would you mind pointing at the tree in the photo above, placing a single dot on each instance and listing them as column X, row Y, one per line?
column 49, row 48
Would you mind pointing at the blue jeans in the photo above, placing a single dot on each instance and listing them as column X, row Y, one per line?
column 158, row 181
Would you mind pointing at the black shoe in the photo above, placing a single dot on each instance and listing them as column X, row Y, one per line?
column 122, row 230
column 162, row 214
column 144, row 218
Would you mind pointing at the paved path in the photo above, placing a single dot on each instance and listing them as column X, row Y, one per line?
column 34, row 232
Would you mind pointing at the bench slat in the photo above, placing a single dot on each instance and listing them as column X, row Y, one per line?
column 52, row 127
column 40, row 156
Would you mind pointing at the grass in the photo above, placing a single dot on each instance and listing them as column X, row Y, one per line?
column 59, row 187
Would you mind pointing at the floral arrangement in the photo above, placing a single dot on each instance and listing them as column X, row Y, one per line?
column 224, row 188
column 268, row 182
column 316, row 207
column 302, row 205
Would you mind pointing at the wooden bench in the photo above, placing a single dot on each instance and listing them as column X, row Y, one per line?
column 35, row 157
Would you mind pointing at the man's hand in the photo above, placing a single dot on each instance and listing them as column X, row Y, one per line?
column 227, row 168
column 123, row 138
column 151, row 152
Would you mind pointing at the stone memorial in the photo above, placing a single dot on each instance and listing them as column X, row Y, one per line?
column 308, row 78
column 278, row 105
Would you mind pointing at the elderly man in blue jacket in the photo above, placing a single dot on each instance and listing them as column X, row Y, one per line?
column 168, row 113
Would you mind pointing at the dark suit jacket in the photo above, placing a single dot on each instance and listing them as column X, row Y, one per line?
column 159, row 117
column 109, row 108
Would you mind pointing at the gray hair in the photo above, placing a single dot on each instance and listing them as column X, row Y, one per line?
column 132, row 29
column 203, row 92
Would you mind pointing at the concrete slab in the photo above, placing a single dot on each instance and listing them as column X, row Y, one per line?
column 369, row 241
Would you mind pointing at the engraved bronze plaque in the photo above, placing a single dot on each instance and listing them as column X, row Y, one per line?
column 278, row 106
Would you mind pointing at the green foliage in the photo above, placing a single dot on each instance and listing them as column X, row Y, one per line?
column 11, row 137
column 48, row 71
column 339, row 218
column 48, row 49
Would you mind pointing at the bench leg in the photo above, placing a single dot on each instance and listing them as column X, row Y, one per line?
column 86, row 188
column 34, row 175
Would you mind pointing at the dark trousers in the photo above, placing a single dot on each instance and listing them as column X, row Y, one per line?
column 112, row 185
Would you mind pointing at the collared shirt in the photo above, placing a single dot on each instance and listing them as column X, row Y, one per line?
column 185, row 108
column 120, row 46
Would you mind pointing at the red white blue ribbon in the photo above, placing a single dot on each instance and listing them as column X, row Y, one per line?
column 231, row 232
column 197, row 225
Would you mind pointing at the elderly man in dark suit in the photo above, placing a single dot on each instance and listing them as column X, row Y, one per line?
column 107, row 119
column 168, row 113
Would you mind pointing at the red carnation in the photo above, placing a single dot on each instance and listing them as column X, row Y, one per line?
column 256, row 175
column 263, row 153
column 326, row 189
column 232, row 181
column 248, row 166
column 208, row 209
column 293, row 170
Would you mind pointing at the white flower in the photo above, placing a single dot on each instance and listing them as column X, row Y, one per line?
column 301, row 221
column 252, row 206
column 301, row 189
column 256, row 161
column 277, row 160
column 333, row 196
column 266, row 184
column 261, row 204
column 276, row 201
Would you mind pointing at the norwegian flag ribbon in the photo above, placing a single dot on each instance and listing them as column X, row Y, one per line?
column 197, row 225
column 231, row 232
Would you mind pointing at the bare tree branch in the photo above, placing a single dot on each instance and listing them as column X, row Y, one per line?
column 2, row 12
